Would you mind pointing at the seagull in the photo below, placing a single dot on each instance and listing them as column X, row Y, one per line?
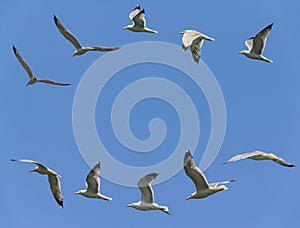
column 139, row 23
column 32, row 78
column 79, row 49
column 203, row 188
column 52, row 178
column 93, row 185
column 147, row 199
column 194, row 40
column 258, row 156
column 257, row 44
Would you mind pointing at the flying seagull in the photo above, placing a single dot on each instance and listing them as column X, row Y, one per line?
column 257, row 44
column 258, row 156
column 139, row 23
column 79, row 49
column 147, row 200
column 203, row 188
column 32, row 78
column 93, row 185
column 52, row 178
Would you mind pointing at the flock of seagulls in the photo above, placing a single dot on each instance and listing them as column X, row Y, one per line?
column 191, row 39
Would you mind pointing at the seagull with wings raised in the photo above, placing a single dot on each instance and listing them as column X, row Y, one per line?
column 257, row 44
column 194, row 40
column 79, row 49
column 203, row 188
column 32, row 78
column 147, row 200
column 52, row 178
column 259, row 156
column 139, row 22
column 93, row 185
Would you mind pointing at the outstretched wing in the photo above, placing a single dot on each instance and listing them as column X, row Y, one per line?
column 145, row 187
column 66, row 33
column 99, row 48
column 259, row 41
column 55, row 189
column 245, row 155
column 53, row 82
column 135, row 12
column 139, row 19
column 23, row 63
column 93, row 180
column 30, row 161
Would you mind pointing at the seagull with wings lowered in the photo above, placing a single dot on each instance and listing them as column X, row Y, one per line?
column 147, row 199
column 259, row 156
column 194, row 40
column 257, row 44
column 93, row 185
column 32, row 78
column 79, row 49
column 203, row 188
column 139, row 22
column 52, row 178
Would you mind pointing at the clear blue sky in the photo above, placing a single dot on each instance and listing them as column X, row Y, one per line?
column 262, row 102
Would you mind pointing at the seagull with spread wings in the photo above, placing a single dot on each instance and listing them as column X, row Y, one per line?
column 259, row 156
column 139, row 22
column 52, row 178
column 203, row 188
column 256, row 45
column 147, row 199
column 93, row 185
column 194, row 40
column 79, row 49
column 32, row 78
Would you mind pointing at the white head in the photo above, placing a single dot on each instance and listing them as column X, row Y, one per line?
column 81, row 192
column 243, row 52
column 127, row 27
column 134, row 205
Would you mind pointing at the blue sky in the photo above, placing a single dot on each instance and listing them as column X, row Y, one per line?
column 261, row 102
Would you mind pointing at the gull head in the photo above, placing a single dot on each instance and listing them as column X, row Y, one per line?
column 126, row 27
column 182, row 32
column 75, row 53
column 242, row 52
column 33, row 170
column 190, row 196
column 134, row 205
column 78, row 193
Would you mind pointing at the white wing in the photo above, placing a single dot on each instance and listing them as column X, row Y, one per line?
column 193, row 172
column 139, row 19
column 145, row 187
column 135, row 12
column 93, row 180
column 245, row 155
column 30, row 161
column 55, row 189
column 66, row 33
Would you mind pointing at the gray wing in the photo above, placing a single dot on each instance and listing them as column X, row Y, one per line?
column 214, row 185
column 99, row 48
column 139, row 19
column 55, row 189
column 193, row 172
column 245, row 155
column 188, row 38
column 66, row 33
column 93, row 180
column 196, row 48
column 280, row 161
column 23, row 63
column 52, row 82
column 259, row 41
column 30, row 161
column 135, row 12
column 145, row 187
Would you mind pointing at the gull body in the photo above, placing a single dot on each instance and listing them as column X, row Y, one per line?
column 32, row 78
column 259, row 156
column 79, row 50
column 194, row 40
column 139, row 22
column 52, row 179
column 257, row 44
column 147, row 197
column 203, row 188
column 93, row 185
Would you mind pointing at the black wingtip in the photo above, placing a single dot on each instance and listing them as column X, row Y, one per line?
column 55, row 19
column 15, row 49
column 270, row 26
column 13, row 159
column 137, row 7
column 142, row 11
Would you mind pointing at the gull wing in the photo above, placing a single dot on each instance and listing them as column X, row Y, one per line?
column 66, row 33
column 193, row 172
column 196, row 48
column 30, row 161
column 280, row 161
column 93, row 180
column 100, row 48
column 259, row 40
column 145, row 187
column 214, row 185
column 188, row 38
column 135, row 12
column 245, row 155
column 52, row 82
column 55, row 189
column 139, row 19
column 23, row 63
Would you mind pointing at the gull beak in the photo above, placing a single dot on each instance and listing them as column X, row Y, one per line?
column 27, row 84
column 239, row 52
column 76, row 193
column 181, row 32
column 31, row 170
column 128, row 205
column 124, row 28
